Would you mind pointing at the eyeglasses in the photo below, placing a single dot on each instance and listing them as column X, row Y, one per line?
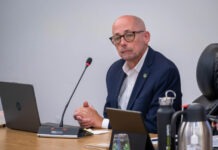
column 128, row 37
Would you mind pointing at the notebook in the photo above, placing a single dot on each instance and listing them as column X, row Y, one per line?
column 132, row 123
column 21, row 112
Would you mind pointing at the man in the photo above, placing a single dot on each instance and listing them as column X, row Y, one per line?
column 137, row 80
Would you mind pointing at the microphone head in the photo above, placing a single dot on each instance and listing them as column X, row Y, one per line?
column 88, row 61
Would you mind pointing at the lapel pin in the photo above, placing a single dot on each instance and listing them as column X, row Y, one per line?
column 145, row 75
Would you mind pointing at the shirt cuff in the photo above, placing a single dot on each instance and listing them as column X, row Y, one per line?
column 105, row 123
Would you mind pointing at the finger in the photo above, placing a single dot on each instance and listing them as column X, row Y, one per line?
column 78, row 118
column 85, row 104
column 84, row 125
column 79, row 112
column 85, row 122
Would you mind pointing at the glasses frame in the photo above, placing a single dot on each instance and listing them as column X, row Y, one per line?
column 124, row 37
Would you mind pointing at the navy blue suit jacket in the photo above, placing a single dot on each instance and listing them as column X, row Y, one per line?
column 158, row 74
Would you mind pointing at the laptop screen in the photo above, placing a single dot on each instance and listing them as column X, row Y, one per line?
column 19, row 106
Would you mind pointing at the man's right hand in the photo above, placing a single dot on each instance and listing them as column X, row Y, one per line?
column 88, row 117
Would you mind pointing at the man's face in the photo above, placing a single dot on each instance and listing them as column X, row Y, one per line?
column 130, row 51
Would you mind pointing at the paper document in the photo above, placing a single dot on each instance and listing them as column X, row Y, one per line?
column 97, row 146
column 2, row 118
column 98, row 131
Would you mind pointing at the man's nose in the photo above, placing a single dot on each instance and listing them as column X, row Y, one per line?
column 122, row 40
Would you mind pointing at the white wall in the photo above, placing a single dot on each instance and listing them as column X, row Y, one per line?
column 46, row 43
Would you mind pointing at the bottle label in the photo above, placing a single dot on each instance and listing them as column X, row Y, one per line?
column 168, row 137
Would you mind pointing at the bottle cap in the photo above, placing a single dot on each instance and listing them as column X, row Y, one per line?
column 168, row 99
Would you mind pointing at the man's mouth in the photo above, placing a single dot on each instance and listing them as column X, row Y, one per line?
column 125, row 51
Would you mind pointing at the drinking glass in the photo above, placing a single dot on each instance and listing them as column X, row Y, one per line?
column 121, row 142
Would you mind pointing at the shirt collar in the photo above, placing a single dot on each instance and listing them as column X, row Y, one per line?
column 138, row 67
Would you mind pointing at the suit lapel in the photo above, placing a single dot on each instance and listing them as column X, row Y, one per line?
column 119, row 81
column 142, row 78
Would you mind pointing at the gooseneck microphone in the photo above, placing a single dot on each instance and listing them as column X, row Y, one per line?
column 88, row 63
column 61, row 130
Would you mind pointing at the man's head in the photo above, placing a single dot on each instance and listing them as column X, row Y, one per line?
column 130, row 38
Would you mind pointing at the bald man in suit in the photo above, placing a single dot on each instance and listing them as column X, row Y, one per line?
column 137, row 80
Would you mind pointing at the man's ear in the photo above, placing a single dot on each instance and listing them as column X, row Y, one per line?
column 147, row 37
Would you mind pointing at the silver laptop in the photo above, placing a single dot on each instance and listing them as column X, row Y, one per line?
column 19, row 106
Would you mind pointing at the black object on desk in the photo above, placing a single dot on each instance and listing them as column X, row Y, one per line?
column 131, row 123
column 62, row 132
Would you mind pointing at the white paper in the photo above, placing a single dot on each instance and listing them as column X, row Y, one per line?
column 98, row 131
column 2, row 118
column 100, row 146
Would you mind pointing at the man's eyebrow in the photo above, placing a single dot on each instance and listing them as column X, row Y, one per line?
column 125, row 31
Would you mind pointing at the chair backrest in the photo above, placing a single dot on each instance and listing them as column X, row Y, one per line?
column 207, row 72
column 207, row 78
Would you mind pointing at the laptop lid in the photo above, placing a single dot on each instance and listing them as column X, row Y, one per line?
column 19, row 106
column 132, row 123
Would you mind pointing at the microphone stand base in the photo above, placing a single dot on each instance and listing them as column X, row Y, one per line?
column 62, row 132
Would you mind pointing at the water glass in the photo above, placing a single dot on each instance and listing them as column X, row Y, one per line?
column 121, row 142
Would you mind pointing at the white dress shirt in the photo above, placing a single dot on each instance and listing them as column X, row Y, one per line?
column 127, row 86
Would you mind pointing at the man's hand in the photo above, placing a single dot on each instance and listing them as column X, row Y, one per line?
column 88, row 117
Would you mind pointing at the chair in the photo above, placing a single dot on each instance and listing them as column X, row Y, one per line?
column 207, row 79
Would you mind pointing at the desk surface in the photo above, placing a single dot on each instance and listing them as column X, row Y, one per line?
column 20, row 140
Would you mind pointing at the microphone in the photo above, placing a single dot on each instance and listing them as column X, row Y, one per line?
column 88, row 63
column 62, row 131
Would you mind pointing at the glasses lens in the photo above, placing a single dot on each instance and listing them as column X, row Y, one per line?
column 129, row 36
column 116, row 39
